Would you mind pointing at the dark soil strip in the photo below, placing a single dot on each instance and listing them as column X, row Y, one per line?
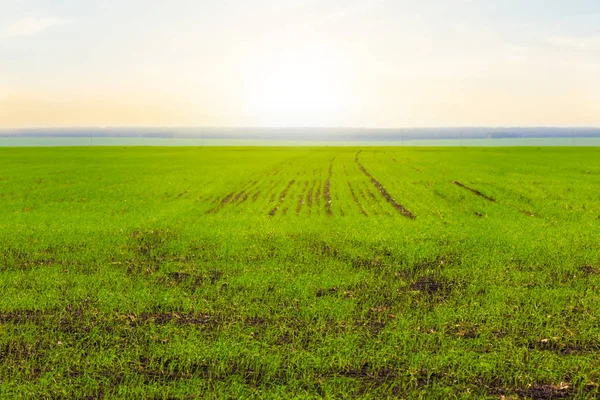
column 529, row 213
column 356, row 156
column 232, row 197
column 540, row 391
column 238, row 196
column 214, row 199
column 256, row 195
column 243, row 195
column 301, row 199
column 269, row 191
column 355, row 197
column 364, row 196
column 477, row 192
column 318, row 195
column 399, row 207
column 244, row 198
column 353, row 193
column 300, row 203
column 281, row 198
column 222, row 204
column 377, row 205
column 327, row 190
column 372, row 195
column 284, row 193
column 309, row 197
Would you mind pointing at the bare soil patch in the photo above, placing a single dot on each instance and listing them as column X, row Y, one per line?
column 538, row 391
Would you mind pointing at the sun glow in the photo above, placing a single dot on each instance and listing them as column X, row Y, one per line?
column 303, row 87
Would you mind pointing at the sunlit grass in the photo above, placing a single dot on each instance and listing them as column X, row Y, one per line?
column 166, row 272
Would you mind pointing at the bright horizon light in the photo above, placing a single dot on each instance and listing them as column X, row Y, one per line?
column 328, row 63
column 298, row 86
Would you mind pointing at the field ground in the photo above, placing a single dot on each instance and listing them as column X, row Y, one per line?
column 300, row 272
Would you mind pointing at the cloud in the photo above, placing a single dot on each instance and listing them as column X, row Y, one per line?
column 30, row 26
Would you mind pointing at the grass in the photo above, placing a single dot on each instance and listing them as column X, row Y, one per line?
column 293, row 273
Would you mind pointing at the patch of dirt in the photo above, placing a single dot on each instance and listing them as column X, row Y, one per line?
column 21, row 317
column 590, row 270
column 163, row 318
column 463, row 330
column 529, row 213
column 20, row 354
column 366, row 372
column 179, row 277
column 368, row 262
column 537, row 391
column 326, row 292
column 377, row 318
column 183, row 278
column 221, row 204
column 256, row 322
column 437, row 286
column 147, row 249
column 474, row 191
column 284, row 339
column 166, row 370
column 555, row 345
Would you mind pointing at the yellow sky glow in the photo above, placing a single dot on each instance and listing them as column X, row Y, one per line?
column 333, row 63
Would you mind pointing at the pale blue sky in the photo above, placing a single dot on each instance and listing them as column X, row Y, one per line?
column 378, row 63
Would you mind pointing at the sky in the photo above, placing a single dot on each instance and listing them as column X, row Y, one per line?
column 327, row 63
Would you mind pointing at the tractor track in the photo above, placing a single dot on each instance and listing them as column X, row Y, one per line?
column 474, row 191
column 386, row 195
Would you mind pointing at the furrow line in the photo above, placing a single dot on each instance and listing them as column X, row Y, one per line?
column 474, row 191
column 386, row 195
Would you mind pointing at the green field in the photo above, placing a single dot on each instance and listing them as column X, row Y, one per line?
column 299, row 272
